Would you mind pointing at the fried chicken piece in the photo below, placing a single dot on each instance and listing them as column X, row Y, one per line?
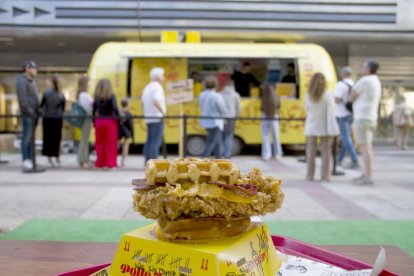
column 174, row 201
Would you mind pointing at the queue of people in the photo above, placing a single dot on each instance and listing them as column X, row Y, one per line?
column 109, row 130
column 328, row 115
column 356, row 105
column 110, row 127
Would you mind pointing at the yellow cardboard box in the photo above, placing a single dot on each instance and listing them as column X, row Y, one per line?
column 141, row 253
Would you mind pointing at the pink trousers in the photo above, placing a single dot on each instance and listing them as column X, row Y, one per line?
column 106, row 142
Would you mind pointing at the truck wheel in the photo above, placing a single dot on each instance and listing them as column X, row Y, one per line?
column 196, row 145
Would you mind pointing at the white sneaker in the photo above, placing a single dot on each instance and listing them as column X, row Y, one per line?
column 52, row 164
column 27, row 164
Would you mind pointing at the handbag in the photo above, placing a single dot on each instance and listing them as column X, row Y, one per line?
column 402, row 117
column 76, row 115
column 410, row 121
column 348, row 105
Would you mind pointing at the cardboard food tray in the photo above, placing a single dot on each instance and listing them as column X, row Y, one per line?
column 284, row 245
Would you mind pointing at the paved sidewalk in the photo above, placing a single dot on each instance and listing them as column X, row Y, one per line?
column 70, row 192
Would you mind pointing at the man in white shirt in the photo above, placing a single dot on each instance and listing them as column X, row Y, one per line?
column 154, row 107
column 344, row 116
column 233, row 104
column 365, row 96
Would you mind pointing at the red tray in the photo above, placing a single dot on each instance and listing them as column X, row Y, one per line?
column 284, row 245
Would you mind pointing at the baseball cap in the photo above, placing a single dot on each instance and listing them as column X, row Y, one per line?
column 29, row 63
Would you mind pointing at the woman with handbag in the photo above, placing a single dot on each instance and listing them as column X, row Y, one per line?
column 106, row 125
column 320, row 124
column 86, row 102
column 403, row 122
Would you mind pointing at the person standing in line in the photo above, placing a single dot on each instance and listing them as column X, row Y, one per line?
column 365, row 96
column 29, row 109
column 269, row 106
column 86, row 102
column 106, row 128
column 344, row 117
column 154, row 106
column 126, row 129
column 403, row 122
column 53, row 106
column 233, row 104
column 243, row 78
column 320, row 124
column 212, row 105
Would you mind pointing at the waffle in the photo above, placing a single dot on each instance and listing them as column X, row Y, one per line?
column 191, row 170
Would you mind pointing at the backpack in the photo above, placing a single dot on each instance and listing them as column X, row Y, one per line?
column 348, row 105
column 75, row 115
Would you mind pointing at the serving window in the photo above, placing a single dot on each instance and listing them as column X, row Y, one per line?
column 247, row 74
column 262, row 70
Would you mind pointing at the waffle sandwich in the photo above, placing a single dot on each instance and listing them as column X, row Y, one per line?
column 202, row 199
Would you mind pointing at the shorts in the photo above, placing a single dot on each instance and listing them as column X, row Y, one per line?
column 364, row 131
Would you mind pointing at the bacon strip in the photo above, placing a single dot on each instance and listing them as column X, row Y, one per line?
column 141, row 185
column 248, row 189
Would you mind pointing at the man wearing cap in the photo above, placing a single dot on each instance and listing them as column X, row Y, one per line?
column 154, row 107
column 29, row 108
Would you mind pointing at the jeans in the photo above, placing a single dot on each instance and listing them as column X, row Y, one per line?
column 228, row 134
column 273, row 127
column 28, row 130
column 346, row 141
column 213, row 143
column 228, row 144
column 154, row 140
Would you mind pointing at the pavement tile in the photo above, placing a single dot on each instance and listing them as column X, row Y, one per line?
column 112, row 205
column 302, row 207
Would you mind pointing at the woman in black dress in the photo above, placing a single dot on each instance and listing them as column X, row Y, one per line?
column 53, row 106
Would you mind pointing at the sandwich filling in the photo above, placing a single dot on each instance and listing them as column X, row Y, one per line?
column 253, row 194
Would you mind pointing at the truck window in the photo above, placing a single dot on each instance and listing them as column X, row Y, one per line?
column 289, row 78
column 247, row 74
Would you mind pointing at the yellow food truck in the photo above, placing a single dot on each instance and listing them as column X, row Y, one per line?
column 127, row 65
